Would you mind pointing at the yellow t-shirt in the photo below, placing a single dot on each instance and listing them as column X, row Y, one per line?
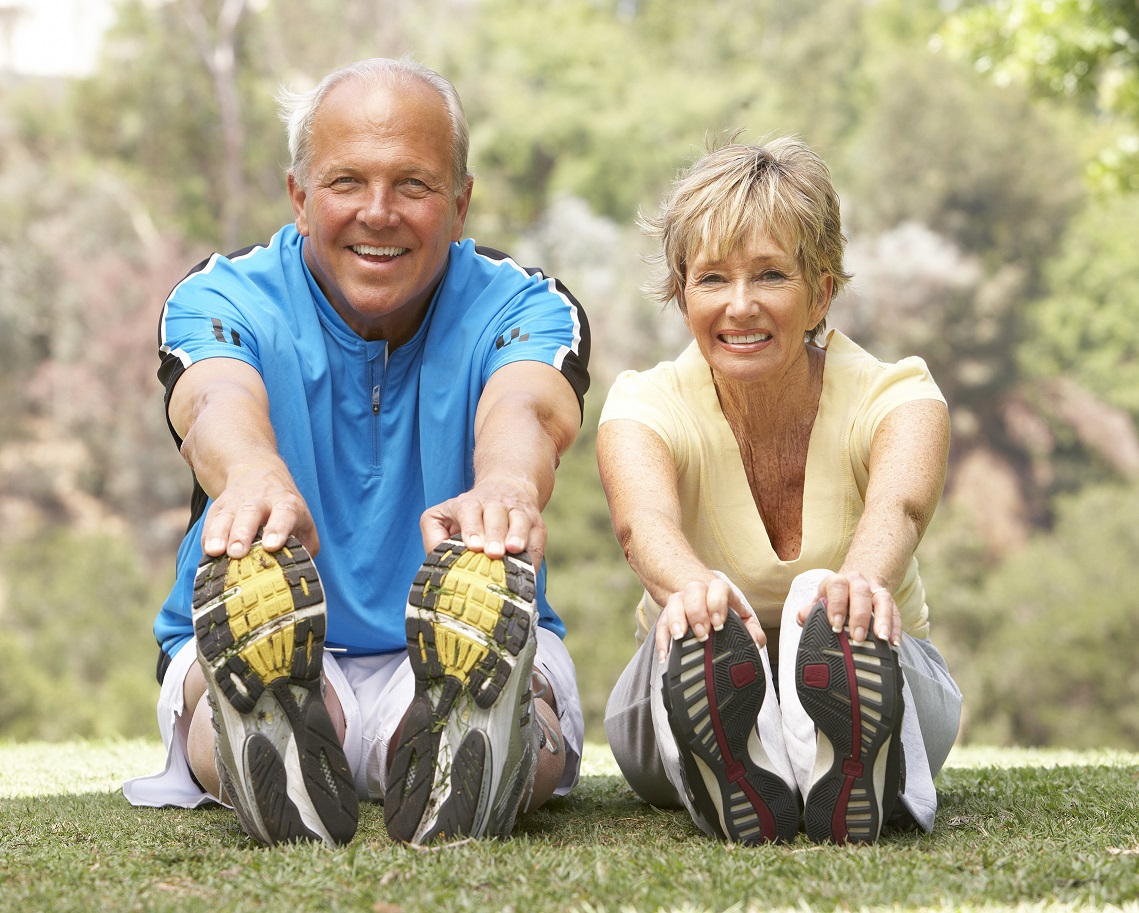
column 677, row 400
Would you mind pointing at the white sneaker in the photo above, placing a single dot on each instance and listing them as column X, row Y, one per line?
column 259, row 622
column 468, row 749
column 853, row 692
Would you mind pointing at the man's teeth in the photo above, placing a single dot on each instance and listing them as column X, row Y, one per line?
column 744, row 340
column 368, row 250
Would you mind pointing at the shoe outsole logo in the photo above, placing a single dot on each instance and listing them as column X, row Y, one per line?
column 853, row 692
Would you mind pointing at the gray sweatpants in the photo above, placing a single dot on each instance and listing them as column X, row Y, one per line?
column 929, row 724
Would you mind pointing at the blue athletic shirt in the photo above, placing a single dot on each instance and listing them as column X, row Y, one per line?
column 372, row 437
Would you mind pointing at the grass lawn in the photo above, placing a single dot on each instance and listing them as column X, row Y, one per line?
column 1017, row 830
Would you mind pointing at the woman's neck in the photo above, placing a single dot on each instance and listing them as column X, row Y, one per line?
column 778, row 405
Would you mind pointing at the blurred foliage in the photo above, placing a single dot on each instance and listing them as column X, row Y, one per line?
column 1083, row 50
column 78, row 657
column 1086, row 325
column 961, row 143
column 1044, row 639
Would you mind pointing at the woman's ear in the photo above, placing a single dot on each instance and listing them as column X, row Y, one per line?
column 822, row 303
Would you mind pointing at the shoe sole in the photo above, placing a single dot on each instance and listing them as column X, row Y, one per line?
column 259, row 623
column 713, row 691
column 853, row 692
column 465, row 760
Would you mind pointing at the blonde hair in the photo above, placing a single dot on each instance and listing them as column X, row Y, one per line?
column 781, row 187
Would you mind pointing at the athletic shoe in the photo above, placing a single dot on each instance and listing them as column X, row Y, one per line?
column 465, row 761
column 853, row 692
column 712, row 693
column 259, row 622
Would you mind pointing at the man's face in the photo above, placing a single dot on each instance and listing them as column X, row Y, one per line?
column 379, row 211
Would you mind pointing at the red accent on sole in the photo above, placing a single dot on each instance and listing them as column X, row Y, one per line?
column 854, row 762
column 743, row 674
column 766, row 819
column 817, row 675
column 838, row 819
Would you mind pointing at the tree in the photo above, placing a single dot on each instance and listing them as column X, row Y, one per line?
column 1085, row 50
column 1086, row 326
column 1043, row 647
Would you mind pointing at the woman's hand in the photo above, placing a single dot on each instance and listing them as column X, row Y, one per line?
column 702, row 608
column 859, row 603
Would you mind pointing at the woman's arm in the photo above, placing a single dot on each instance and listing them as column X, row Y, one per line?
column 639, row 478
column 907, row 474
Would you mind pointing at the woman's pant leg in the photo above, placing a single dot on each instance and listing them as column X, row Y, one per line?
column 629, row 728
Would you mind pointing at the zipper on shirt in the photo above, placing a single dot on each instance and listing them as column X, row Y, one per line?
column 377, row 367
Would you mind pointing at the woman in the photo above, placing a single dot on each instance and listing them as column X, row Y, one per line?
column 769, row 488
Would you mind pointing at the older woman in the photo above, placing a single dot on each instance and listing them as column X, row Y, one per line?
column 769, row 488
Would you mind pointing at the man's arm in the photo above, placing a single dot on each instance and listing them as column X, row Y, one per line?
column 220, row 409
column 528, row 416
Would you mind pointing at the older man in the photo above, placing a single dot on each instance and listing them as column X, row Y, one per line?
column 362, row 390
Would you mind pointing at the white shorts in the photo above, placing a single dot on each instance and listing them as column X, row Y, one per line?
column 375, row 692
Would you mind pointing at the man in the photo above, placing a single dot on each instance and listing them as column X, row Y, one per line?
column 364, row 371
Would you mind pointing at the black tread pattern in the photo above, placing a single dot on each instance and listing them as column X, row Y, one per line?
column 257, row 609
column 490, row 618
column 713, row 691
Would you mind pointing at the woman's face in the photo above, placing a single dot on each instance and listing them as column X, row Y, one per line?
column 749, row 310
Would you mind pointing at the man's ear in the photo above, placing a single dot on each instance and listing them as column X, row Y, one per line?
column 462, row 205
column 297, row 197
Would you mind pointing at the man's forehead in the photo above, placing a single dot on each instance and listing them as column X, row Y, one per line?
column 367, row 118
column 361, row 99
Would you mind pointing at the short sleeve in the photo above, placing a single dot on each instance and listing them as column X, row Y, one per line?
column 201, row 320
column 642, row 397
column 545, row 323
column 891, row 385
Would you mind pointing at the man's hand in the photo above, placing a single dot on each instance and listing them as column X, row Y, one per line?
column 257, row 497
column 499, row 515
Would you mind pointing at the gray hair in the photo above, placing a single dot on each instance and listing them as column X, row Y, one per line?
column 298, row 109
column 781, row 187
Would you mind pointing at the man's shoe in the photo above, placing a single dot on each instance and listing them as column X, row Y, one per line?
column 853, row 692
column 465, row 761
column 712, row 693
column 259, row 622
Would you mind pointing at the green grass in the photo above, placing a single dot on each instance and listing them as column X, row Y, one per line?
column 1017, row 830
